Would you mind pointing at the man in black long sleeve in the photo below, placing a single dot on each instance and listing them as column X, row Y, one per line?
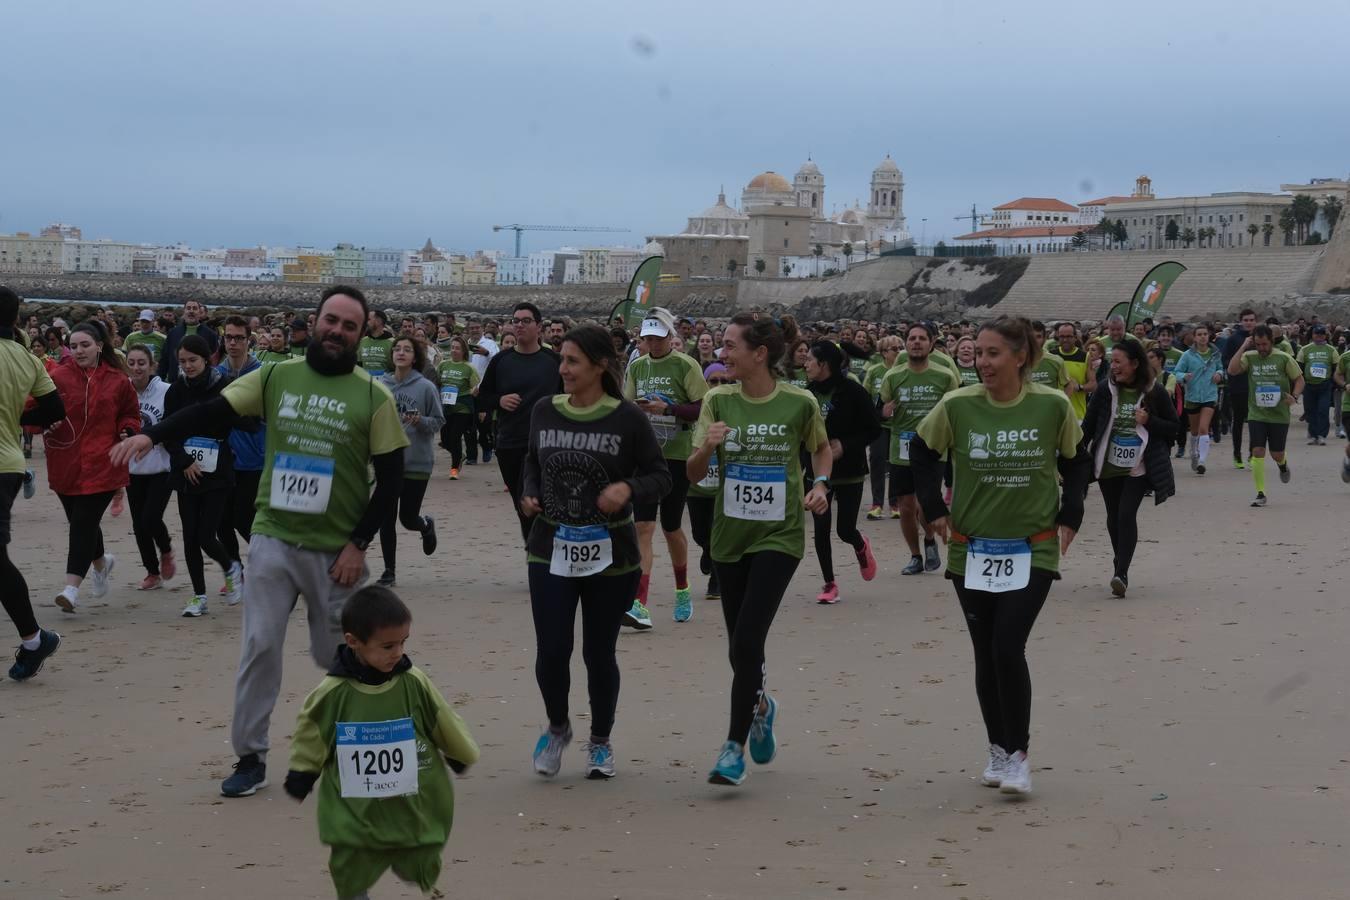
column 514, row 381
column 22, row 375
column 1236, row 395
column 194, row 314
column 326, row 420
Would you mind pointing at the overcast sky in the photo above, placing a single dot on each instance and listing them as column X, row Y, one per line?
column 318, row 121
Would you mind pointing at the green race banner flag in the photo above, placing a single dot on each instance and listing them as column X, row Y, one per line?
column 1152, row 292
column 641, row 291
column 1121, row 309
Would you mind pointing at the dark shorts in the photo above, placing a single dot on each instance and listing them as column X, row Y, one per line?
column 671, row 506
column 1267, row 434
column 10, row 485
column 1196, row 407
column 902, row 480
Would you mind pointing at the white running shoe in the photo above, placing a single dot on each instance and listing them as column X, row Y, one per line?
column 98, row 581
column 998, row 764
column 1017, row 774
column 69, row 599
column 195, row 607
column 234, row 584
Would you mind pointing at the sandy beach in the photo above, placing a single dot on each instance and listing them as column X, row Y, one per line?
column 1188, row 741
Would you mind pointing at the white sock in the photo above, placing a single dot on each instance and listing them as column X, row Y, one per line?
column 34, row 642
column 1204, row 447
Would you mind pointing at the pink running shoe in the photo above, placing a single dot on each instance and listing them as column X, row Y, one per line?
column 867, row 562
column 149, row 583
column 829, row 594
column 167, row 568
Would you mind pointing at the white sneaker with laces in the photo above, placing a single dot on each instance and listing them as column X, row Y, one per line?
column 195, row 607
column 1017, row 774
column 998, row 764
column 98, row 581
column 234, row 584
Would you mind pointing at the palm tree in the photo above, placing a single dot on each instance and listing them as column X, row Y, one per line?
column 1331, row 211
column 1119, row 232
column 1266, row 231
column 818, row 251
column 847, row 250
column 787, row 269
column 760, row 266
column 1172, row 232
column 1305, row 211
column 1288, row 224
column 1187, row 237
column 1252, row 231
column 731, row 267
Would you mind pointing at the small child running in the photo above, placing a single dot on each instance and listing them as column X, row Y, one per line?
column 369, row 734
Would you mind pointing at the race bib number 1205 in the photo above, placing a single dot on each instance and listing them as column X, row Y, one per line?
column 301, row 483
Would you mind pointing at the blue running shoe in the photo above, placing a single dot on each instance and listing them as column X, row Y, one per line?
column 599, row 760
column 730, row 768
column 250, row 776
column 763, row 745
column 548, row 751
column 684, row 605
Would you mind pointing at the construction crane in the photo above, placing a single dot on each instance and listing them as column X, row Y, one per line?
column 973, row 216
column 519, row 228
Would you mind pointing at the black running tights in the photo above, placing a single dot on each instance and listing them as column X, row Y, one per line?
column 13, row 589
column 999, row 625
column 1123, row 496
column 408, row 513
column 848, row 497
column 878, row 459
column 457, row 434
column 603, row 600
column 239, row 512
column 84, row 512
column 752, row 589
column 148, row 497
column 201, row 515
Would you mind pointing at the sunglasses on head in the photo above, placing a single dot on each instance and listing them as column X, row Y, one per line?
column 717, row 381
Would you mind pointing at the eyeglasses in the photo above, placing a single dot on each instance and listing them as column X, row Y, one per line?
column 236, row 337
column 714, row 382
column 527, row 320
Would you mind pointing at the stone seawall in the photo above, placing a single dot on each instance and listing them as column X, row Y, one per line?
column 712, row 299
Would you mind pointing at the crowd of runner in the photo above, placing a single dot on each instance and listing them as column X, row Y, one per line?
column 981, row 439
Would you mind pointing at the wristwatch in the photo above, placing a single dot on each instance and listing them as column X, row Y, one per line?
column 360, row 543
column 822, row 479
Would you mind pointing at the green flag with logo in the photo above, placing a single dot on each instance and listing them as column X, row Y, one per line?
column 641, row 292
column 1121, row 309
column 1152, row 292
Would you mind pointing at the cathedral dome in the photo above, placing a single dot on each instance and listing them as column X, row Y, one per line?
column 851, row 217
column 653, row 248
column 809, row 168
column 720, row 210
column 887, row 165
column 769, row 182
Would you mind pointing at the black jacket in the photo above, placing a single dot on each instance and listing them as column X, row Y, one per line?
column 182, row 394
column 168, row 360
column 1162, row 430
column 850, row 418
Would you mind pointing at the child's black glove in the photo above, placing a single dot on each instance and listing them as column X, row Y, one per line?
column 299, row 784
column 456, row 766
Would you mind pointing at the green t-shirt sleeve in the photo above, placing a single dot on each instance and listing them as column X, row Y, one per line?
column 694, row 385
column 386, row 431
column 42, row 382
column 309, row 751
column 1244, row 361
column 706, row 416
column 629, row 383
column 245, row 393
column 1070, row 434
column 813, row 430
column 953, row 383
column 1063, row 372
column 936, row 428
column 886, row 390
column 1292, row 370
column 451, row 735
column 474, row 379
column 1302, row 354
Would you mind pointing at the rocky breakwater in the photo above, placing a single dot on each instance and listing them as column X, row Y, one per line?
column 1332, row 308
column 576, row 301
column 943, row 290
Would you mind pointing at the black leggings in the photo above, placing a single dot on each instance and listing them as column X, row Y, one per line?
column 148, row 497
column 700, row 522
column 408, row 512
column 239, row 512
column 878, row 458
column 201, row 515
column 848, row 497
column 999, row 625
column 1123, row 496
column 1238, row 401
column 603, row 599
column 13, row 589
column 457, row 436
column 511, row 462
column 84, row 512
column 752, row 589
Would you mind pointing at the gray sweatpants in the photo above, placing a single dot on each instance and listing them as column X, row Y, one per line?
column 278, row 573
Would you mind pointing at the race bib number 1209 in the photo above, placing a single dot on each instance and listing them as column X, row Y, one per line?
column 377, row 759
